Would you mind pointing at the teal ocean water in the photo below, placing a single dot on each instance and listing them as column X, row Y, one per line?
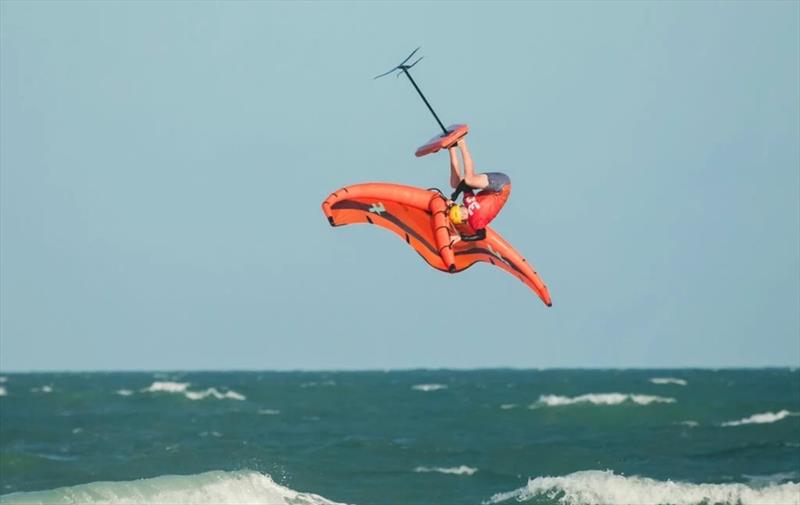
column 402, row 437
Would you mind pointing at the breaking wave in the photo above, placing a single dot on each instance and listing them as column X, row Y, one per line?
column 459, row 470
column 428, row 387
column 243, row 487
column 600, row 399
column 765, row 418
column 594, row 487
column 668, row 380
column 183, row 388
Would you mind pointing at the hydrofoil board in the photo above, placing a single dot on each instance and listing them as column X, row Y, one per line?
column 454, row 132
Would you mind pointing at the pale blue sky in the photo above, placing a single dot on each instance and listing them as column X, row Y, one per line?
column 162, row 167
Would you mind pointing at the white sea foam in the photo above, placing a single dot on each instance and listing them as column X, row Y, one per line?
column 166, row 387
column 243, row 487
column 668, row 380
column 508, row 406
column 124, row 392
column 212, row 392
column 43, row 389
column 183, row 388
column 269, row 412
column 690, row 424
column 3, row 391
column 458, row 470
column 428, row 387
column 599, row 399
column 765, row 418
column 594, row 487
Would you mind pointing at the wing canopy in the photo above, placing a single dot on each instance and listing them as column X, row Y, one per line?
column 418, row 217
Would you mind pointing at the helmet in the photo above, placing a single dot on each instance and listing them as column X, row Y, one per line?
column 455, row 214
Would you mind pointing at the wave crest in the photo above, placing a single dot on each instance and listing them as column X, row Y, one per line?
column 600, row 399
column 595, row 487
column 244, row 487
column 183, row 388
column 668, row 380
column 459, row 470
column 428, row 387
column 765, row 418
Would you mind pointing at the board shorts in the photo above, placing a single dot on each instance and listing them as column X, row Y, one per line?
column 496, row 181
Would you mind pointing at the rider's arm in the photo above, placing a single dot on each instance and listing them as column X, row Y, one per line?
column 468, row 167
column 455, row 171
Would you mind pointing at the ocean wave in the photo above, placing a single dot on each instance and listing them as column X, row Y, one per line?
column 124, row 392
column 428, row 387
column 43, row 389
column 3, row 391
column 243, row 487
column 459, row 470
column 269, row 412
column 765, row 418
column 600, row 399
column 595, row 487
column 183, row 388
column 668, row 380
column 690, row 424
column 212, row 392
column 166, row 387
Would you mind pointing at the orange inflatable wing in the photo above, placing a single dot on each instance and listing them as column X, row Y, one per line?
column 495, row 250
column 418, row 216
column 415, row 215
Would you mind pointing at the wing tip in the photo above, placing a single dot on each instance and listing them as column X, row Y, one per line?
column 330, row 221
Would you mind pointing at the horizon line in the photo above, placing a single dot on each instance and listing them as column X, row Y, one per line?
column 790, row 368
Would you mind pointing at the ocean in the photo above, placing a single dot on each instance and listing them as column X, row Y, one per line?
column 502, row 436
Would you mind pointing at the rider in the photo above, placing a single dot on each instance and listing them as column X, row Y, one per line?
column 471, row 218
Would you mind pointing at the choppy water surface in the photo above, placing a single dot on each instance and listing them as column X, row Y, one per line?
column 409, row 437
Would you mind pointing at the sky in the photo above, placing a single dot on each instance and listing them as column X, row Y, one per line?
column 162, row 166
